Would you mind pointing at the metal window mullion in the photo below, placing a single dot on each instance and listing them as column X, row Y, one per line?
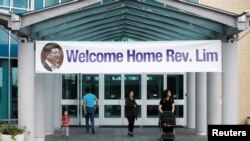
column 44, row 3
column 28, row 6
column 10, row 4
column 9, row 51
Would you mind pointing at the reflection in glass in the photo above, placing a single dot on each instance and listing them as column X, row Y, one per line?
column 69, row 86
column 133, row 82
column 152, row 111
column 51, row 2
column 38, row 4
column 91, row 81
column 154, row 86
column 20, row 3
column 112, row 111
column 72, row 110
column 139, row 111
column 4, row 89
column 14, row 89
column 5, row 2
column 65, row 0
column 178, row 111
column 112, row 86
column 175, row 84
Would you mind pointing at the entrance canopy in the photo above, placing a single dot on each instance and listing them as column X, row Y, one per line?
column 108, row 20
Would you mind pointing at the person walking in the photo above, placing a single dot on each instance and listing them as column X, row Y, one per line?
column 130, row 112
column 90, row 103
column 65, row 124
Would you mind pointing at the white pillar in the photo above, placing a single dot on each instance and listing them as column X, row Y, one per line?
column 26, row 97
column 39, row 107
column 49, row 103
column 214, row 95
column 57, row 100
column 230, row 84
column 190, row 100
column 201, row 103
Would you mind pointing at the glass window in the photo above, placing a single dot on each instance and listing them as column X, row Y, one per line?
column 194, row 1
column 4, row 2
column 14, row 47
column 133, row 82
column 4, row 89
column 72, row 110
column 66, row 0
column 178, row 111
column 112, row 111
column 91, row 81
column 139, row 111
column 51, row 2
column 152, row 111
column 69, row 86
column 154, row 86
column 4, row 51
column 18, row 11
column 20, row 3
column 38, row 4
column 14, row 89
column 175, row 84
column 112, row 86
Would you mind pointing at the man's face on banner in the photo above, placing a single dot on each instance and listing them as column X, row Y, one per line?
column 54, row 56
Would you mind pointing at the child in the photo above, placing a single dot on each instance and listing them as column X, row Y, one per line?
column 65, row 124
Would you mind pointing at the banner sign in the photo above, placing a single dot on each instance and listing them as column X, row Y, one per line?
column 128, row 57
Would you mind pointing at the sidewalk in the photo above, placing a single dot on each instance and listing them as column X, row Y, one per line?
column 120, row 134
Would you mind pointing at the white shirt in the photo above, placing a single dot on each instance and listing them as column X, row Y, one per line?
column 52, row 66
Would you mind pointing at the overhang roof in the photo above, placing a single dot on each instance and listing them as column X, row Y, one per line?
column 147, row 20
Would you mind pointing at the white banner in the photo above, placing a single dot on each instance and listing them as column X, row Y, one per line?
column 128, row 57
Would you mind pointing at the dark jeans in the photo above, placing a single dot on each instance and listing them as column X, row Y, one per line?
column 131, row 122
column 90, row 116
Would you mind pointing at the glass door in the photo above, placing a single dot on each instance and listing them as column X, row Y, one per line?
column 116, row 89
column 155, row 84
column 113, row 104
column 91, row 81
column 175, row 82
column 154, row 90
column 133, row 83
column 70, row 97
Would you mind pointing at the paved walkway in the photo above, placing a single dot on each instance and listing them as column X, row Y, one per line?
column 120, row 134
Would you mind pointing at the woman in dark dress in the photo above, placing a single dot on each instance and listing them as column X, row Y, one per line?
column 131, row 112
column 167, row 103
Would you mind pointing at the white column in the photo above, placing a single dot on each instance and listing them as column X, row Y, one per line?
column 26, row 97
column 49, row 103
column 190, row 100
column 39, row 107
column 201, row 103
column 214, row 95
column 230, row 84
column 57, row 100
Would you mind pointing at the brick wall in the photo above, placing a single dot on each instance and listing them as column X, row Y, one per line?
column 239, row 6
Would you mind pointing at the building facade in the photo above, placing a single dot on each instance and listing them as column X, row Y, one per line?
column 243, row 57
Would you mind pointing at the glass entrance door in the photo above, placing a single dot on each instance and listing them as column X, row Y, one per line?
column 70, row 97
column 175, row 82
column 155, row 84
column 91, row 81
column 116, row 89
column 112, row 89
column 113, row 102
